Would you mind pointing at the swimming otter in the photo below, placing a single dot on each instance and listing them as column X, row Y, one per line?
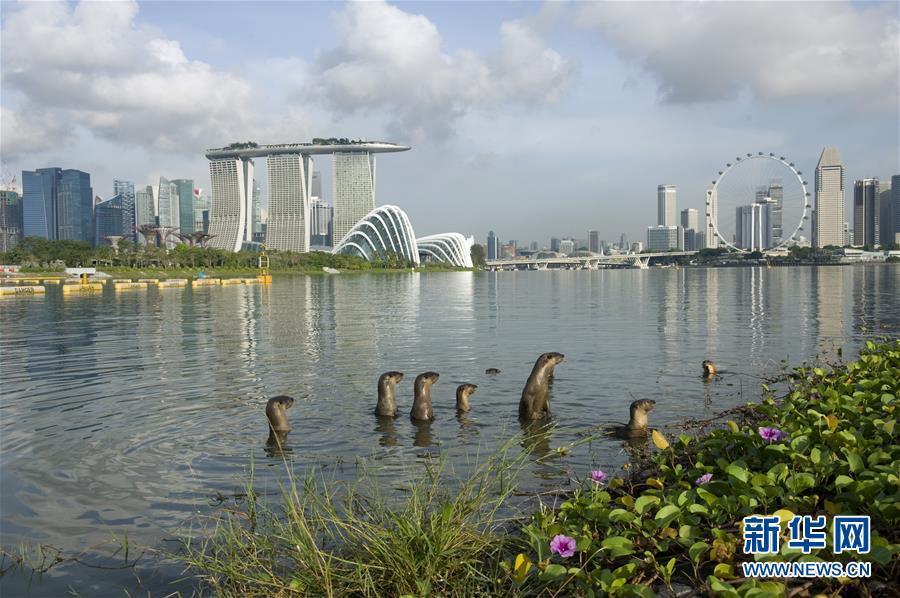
column 535, row 401
column 276, row 412
column 492, row 371
column 463, row 392
column 422, row 408
column 709, row 368
column 637, row 423
column 387, row 402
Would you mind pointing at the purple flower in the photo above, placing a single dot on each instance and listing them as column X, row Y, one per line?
column 598, row 476
column 772, row 434
column 562, row 545
column 704, row 479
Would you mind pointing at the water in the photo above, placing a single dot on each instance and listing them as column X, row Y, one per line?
column 125, row 413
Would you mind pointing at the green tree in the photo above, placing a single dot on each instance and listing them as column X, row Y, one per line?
column 478, row 258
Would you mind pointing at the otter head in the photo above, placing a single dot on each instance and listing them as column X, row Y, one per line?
column 276, row 413
column 282, row 402
column 639, row 410
column 392, row 377
column 428, row 378
column 709, row 368
column 463, row 392
column 553, row 357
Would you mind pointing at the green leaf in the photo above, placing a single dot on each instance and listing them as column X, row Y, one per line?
column 644, row 502
column 666, row 514
column 800, row 482
column 724, row 571
column 854, row 460
column 697, row 550
column 738, row 472
column 553, row 571
column 617, row 546
column 621, row 516
column 842, row 480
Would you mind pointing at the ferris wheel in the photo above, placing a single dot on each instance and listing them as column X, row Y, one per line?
column 760, row 201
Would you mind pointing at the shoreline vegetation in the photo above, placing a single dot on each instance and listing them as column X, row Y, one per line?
column 672, row 526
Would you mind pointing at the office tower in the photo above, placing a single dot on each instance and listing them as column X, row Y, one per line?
column 57, row 204
column 775, row 231
column 39, row 202
column 662, row 238
column 554, row 244
column 108, row 219
column 829, row 191
column 354, row 189
column 866, row 214
column 848, row 234
column 637, row 247
column 11, row 223
column 201, row 206
column 666, row 210
column 256, row 224
column 320, row 223
column 887, row 215
column 895, row 203
column 290, row 178
column 317, row 185
column 185, row 191
column 126, row 190
column 493, row 246
column 623, row 242
column 567, row 246
column 167, row 204
column 594, row 241
column 690, row 223
column 231, row 202
column 144, row 211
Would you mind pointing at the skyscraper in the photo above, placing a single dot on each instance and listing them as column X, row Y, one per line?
column 126, row 190
column 231, row 204
column 354, row 190
column 666, row 210
column 895, row 202
column 829, row 189
column 887, row 215
column 290, row 178
column 690, row 218
column 256, row 225
column 168, row 210
column 866, row 212
column 776, row 207
column 594, row 241
column 144, row 210
column 320, row 222
column 185, row 191
column 493, row 246
column 317, row 185
column 39, row 202
column 10, row 219
column 58, row 204
column 108, row 219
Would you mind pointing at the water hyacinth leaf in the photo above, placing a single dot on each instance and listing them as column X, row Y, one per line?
column 644, row 502
column 659, row 441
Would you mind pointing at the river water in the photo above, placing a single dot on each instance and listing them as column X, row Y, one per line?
column 124, row 414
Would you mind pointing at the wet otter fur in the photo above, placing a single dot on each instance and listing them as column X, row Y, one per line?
column 535, row 401
column 276, row 413
column 709, row 368
column 387, row 399
column 492, row 371
column 463, row 392
column 422, row 409
column 638, row 424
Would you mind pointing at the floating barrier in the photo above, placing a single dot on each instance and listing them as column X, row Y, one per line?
column 130, row 285
column 230, row 281
column 90, row 287
column 173, row 282
column 250, row 280
column 30, row 280
column 22, row 290
column 264, row 278
column 53, row 281
column 205, row 282
column 118, row 280
column 149, row 280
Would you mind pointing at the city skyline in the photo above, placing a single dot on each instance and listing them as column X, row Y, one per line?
column 585, row 83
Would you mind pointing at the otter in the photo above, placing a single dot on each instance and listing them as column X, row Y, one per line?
column 535, row 401
column 637, row 423
column 709, row 368
column 276, row 413
column 422, row 409
column 387, row 402
column 492, row 371
column 463, row 392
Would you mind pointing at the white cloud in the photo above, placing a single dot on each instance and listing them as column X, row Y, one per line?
column 389, row 60
column 92, row 66
column 830, row 51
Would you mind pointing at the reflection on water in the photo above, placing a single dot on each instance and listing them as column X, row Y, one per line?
column 124, row 412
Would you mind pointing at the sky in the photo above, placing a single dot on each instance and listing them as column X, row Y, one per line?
column 535, row 120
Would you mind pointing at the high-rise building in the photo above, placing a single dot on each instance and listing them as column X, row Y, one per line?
column 231, row 203
column 493, row 246
column 144, row 210
column 886, row 223
column 10, row 219
column 623, row 242
column 168, row 210
column 554, row 244
column 185, row 191
column 895, row 203
column 256, row 225
column 666, row 209
column 848, row 234
column 290, row 178
column 126, row 190
column 637, row 247
column 320, row 223
column 829, row 189
column 662, row 238
column 201, row 212
column 39, row 198
column 567, row 246
column 354, row 189
column 690, row 218
column 108, row 219
column 316, row 190
column 594, row 241
column 775, row 232
column 866, row 213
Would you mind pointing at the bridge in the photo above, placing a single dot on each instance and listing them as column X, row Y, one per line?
column 587, row 262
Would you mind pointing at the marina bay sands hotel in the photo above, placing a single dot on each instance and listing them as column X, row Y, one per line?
column 289, row 170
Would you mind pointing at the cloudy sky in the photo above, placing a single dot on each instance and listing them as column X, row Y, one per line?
column 532, row 119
